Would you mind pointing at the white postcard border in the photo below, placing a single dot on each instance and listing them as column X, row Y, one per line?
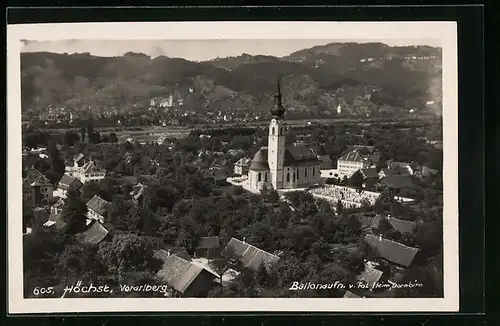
column 446, row 32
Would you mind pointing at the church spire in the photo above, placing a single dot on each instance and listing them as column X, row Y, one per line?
column 278, row 110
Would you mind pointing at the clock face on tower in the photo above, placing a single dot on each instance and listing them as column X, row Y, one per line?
column 273, row 121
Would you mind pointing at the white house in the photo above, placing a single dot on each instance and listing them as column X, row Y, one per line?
column 89, row 172
column 98, row 209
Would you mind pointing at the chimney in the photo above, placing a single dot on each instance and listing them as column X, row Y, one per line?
column 244, row 239
column 380, row 237
column 168, row 253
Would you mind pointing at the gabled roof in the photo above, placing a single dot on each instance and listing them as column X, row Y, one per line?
column 369, row 173
column 370, row 276
column 98, row 205
column 94, row 234
column 244, row 161
column 163, row 254
column 78, row 157
column 367, row 148
column 397, row 181
column 399, row 225
column 92, row 167
column 353, row 156
column 250, row 256
column 35, row 178
column 392, row 251
column 68, row 181
column 300, row 155
column 179, row 273
column 387, row 171
column 208, row 243
column 137, row 191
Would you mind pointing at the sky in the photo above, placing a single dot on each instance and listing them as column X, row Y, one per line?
column 194, row 50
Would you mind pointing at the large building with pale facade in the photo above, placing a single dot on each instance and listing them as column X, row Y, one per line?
column 280, row 166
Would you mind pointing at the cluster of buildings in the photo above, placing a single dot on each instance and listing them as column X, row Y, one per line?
column 193, row 276
column 388, row 259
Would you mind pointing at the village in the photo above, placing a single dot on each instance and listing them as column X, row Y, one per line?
column 374, row 213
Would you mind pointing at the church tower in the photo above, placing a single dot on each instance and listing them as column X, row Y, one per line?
column 276, row 142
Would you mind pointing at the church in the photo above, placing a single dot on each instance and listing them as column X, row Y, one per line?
column 280, row 166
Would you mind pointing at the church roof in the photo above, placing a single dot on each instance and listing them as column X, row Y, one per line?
column 259, row 161
column 300, row 155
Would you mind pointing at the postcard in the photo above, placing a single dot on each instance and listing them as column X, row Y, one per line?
column 232, row 167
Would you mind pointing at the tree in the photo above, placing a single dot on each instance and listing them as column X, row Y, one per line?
column 356, row 180
column 83, row 131
column 168, row 227
column 74, row 213
column 262, row 276
column 340, row 207
column 126, row 253
column 89, row 190
column 113, row 138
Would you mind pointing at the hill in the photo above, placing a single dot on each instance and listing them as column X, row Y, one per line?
column 364, row 79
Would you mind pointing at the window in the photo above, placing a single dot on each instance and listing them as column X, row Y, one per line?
column 259, row 177
column 265, row 177
column 297, row 174
column 288, row 177
column 272, row 131
column 305, row 172
column 314, row 171
column 294, row 177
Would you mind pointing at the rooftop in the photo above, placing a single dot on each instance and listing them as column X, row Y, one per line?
column 392, row 251
column 98, row 205
column 94, row 234
column 35, row 178
column 250, row 256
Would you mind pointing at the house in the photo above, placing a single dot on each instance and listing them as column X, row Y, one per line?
column 397, row 182
column 370, row 276
column 162, row 254
column 207, row 247
column 402, row 226
column 36, row 187
column 90, row 171
column 98, row 209
column 80, row 160
column 94, row 234
column 369, row 173
column 55, row 218
column 385, row 172
column 391, row 251
column 401, row 167
column 358, row 158
column 137, row 193
column 326, row 162
column 241, row 167
column 67, row 183
column 249, row 256
column 187, row 279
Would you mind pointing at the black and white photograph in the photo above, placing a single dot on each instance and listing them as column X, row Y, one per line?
column 157, row 167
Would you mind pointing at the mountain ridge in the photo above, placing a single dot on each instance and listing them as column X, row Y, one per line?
column 317, row 80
